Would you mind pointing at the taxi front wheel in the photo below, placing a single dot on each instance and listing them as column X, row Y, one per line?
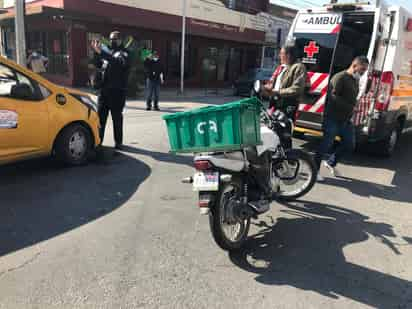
column 73, row 145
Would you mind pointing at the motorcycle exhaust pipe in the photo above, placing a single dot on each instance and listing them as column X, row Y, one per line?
column 188, row 180
column 226, row 178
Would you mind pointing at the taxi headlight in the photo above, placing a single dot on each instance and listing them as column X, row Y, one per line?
column 86, row 100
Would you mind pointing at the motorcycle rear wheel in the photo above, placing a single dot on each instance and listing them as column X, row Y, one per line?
column 219, row 223
column 303, row 179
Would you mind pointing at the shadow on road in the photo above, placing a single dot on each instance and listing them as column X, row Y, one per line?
column 163, row 109
column 202, row 100
column 40, row 200
column 306, row 252
column 161, row 156
column 400, row 163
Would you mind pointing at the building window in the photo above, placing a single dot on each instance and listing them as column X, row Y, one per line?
column 90, row 38
column 10, row 46
column 57, row 52
column 173, row 60
column 36, row 42
column 235, row 64
column 52, row 45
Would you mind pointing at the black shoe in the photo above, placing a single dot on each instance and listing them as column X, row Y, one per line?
column 148, row 108
column 157, row 108
column 261, row 206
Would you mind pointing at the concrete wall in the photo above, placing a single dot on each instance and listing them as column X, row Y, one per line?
column 211, row 11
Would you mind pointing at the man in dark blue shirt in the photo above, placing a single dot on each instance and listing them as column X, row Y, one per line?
column 112, row 98
column 155, row 78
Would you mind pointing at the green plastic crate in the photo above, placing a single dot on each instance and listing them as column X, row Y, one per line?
column 228, row 127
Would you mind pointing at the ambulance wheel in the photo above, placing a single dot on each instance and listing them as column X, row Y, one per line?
column 388, row 146
column 73, row 145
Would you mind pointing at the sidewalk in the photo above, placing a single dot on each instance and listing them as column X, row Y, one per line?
column 174, row 93
column 191, row 93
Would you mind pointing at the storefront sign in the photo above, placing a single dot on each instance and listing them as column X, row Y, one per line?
column 79, row 26
column 213, row 26
column 8, row 119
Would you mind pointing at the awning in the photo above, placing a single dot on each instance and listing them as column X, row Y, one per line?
column 51, row 11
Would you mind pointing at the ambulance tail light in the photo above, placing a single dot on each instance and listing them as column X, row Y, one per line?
column 203, row 165
column 385, row 92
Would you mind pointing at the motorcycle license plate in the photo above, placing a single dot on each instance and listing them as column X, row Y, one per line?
column 207, row 181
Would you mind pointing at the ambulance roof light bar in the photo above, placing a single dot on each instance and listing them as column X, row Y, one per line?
column 335, row 6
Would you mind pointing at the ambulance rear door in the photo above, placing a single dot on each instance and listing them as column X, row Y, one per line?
column 315, row 36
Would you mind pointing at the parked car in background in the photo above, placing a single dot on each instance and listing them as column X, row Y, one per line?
column 38, row 118
column 244, row 84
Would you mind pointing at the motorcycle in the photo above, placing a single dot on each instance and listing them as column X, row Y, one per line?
column 235, row 187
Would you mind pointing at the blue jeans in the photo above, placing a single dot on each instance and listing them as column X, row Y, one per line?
column 152, row 92
column 332, row 129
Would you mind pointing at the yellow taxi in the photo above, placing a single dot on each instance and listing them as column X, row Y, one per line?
column 39, row 118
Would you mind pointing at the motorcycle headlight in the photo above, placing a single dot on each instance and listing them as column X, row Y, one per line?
column 86, row 100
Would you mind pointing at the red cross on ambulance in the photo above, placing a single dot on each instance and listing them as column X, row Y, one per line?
column 312, row 49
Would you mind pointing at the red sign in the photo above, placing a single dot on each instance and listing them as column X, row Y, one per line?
column 312, row 49
column 409, row 26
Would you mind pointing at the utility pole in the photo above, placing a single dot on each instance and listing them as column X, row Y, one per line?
column 182, row 53
column 20, row 32
column 262, row 61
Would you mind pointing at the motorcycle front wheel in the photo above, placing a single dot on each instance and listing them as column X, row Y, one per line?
column 293, row 176
column 228, row 232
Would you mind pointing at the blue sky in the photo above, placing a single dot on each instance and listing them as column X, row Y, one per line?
column 308, row 3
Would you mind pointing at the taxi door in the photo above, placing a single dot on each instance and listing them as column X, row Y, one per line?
column 24, row 119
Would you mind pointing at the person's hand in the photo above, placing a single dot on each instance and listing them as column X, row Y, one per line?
column 268, row 86
column 96, row 46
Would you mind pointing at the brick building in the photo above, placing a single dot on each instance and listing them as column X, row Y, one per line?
column 220, row 40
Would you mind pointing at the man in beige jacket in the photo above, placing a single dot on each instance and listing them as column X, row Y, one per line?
column 287, row 85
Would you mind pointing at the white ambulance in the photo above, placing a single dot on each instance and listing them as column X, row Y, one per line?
column 329, row 38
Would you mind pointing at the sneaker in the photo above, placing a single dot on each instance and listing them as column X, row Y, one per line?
column 119, row 146
column 333, row 170
column 320, row 178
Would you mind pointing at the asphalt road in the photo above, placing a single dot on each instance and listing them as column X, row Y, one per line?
column 123, row 232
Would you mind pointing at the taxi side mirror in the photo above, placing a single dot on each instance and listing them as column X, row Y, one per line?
column 21, row 92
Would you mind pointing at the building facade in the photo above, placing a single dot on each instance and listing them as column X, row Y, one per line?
column 248, row 6
column 278, row 21
column 221, row 42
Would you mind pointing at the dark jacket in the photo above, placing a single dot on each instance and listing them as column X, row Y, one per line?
column 115, row 68
column 153, row 70
column 343, row 93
